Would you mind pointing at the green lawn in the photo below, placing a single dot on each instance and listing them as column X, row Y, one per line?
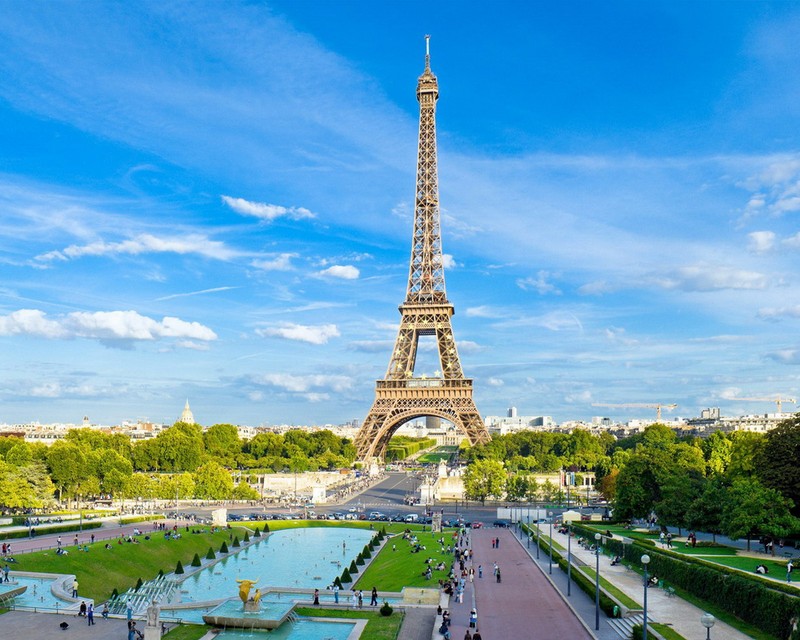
column 187, row 632
column 102, row 570
column 378, row 627
column 392, row 570
column 609, row 588
column 777, row 568
column 667, row 632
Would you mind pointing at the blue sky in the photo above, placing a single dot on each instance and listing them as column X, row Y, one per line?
column 214, row 201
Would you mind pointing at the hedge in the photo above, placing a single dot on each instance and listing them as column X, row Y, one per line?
column 584, row 583
column 769, row 606
column 64, row 528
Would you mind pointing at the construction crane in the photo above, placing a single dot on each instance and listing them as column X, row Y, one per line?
column 639, row 405
column 778, row 401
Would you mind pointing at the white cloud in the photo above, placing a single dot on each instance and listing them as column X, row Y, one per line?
column 615, row 334
column 101, row 325
column 468, row 346
column 194, row 293
column 773, row 313
column 539, row 284
column 761, row 241
column 345, row 272
column 266, row 211
column 596, row 288
column 146, row 243
column 482, row 311
column 31, row 322
column 559, row 320
column 372, row 346
column 786, row 356
column 304, row 384
column 495, row 382
column 448, row 261
column 282, row 262
column 708, row 278
column 302, row 333
column 793, row 242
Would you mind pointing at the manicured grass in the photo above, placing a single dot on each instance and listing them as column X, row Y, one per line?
column 102, row 570
column 777, row 568
column 393, row 570
column 667, row 632
column 187, row 632
column 378, row 627
column 720, row 550
column 609, row 588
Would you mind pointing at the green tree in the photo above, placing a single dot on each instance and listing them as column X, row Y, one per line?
column 212, row 482
column 778, row 463
column 517, row 487
column 484, row 479
column 67, row 466
column 222, row 443
column 705, row 513
column 751, row 508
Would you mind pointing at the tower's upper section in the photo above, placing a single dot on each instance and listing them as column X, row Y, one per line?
column 427, row 85
column 426, row 273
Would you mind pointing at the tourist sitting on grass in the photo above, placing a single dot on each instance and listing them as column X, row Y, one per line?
column 61, row 552
column 762, row 569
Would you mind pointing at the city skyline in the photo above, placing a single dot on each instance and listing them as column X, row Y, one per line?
column 215, row 202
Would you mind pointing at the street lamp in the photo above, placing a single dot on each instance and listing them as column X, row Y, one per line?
column 645, row 562
column 569, row 558
column 597, row 537
column 550, row 518
column 707, row 620
column 538, row 532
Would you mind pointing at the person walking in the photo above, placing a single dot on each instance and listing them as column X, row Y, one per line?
column 789, row 569
column 473, row 618
column 498, row 576
column 477, row 635
column 374, row 600
column 90, row 614
column 75, row 588
column 316, row 597
column 336, row 594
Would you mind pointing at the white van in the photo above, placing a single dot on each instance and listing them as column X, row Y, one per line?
column 412, row 517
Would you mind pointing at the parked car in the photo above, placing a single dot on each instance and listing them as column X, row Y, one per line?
column 477, row 525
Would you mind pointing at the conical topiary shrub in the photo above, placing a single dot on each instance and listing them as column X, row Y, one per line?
column 224, row 547
column 257, row 533
column 366, row 552
column 337, row 582
column 246, row 537
column 196, row 561
column 236, row 542
column 346, row 576
column 353, row 567
column 179, row 568
column 266, row 528
column 210, row 555
column 359, row 559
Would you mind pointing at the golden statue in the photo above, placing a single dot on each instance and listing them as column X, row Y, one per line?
column 244, row 589
column 257, row 596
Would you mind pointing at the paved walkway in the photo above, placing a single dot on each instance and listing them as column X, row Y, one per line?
column 24, row 625
column 523, row 605
column 679, row 614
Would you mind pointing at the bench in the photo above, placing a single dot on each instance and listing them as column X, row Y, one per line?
column 669, row 591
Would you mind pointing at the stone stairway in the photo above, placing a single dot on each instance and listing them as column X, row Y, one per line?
column 624, row 626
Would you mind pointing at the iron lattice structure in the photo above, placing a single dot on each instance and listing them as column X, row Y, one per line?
column 400, row 396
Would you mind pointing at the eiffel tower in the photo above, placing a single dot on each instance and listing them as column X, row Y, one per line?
column 400, row 396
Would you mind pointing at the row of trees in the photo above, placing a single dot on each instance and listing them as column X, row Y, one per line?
column 738, row 484
column 182, row 461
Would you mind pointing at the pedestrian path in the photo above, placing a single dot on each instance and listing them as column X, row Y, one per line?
column 523, row 604
column 662, row 607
